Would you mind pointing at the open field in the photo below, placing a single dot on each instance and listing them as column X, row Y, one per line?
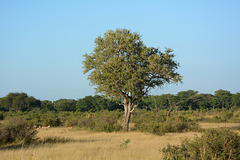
column 86, row 145
column 96, row 146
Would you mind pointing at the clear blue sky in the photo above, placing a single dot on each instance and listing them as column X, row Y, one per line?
column 42, row 42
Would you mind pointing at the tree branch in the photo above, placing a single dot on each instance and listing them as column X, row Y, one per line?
column 133, row 108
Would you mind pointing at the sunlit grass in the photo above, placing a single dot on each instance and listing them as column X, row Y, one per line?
column 87, row 145
column 93, row 146
column 218, row 125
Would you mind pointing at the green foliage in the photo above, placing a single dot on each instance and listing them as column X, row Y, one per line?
column 19, row 102
column 183, row 98
column 200, row 101
column 1, row 115
column 157, row 103
column 179, row 152
column 65, row 105
column 159, row 123
column 121, row 64
column 236, row 99
column 2, row 104
column 106, row 121
column 96, row 103
column 124, row 144
column 214, row 144
column 186, row 100
column 47, row 105
column 17, row 130
column 222, row 99
column 51, row 118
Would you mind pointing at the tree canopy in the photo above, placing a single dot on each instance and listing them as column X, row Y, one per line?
column 122, row 65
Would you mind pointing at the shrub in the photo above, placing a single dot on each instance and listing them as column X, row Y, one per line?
column 51, row 118
column 107, row 124
column 124, row 143
column 86, row 123
column 214, row 144
column 106, row 121
column 160, row 124
column 17, row 130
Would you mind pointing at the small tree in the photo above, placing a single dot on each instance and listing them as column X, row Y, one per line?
column 122, row 66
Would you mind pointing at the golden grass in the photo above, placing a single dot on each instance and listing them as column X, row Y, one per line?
column 218, row 125
column 96, row 146
column 101, row 146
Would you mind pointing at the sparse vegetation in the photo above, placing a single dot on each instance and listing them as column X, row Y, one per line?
column 124, row 143
column 213, row 144
column 160, row 124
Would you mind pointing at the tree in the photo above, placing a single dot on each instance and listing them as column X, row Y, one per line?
column 183, row 98
column 85, row 104
column 2, row 107
column 236, row 99
column 96, row 103
column 122, row 66
column 47, row 105
column 32, row 102
column 200, row 101
column 65, row 105
column 20, row 102
column 222, row 99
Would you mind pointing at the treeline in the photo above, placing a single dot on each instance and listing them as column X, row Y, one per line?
column 191, row 100
column 184, row 100
column 23, row 102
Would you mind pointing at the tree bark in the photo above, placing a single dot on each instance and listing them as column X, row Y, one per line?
column 127, row 116
column 169, row 111
column 171, row 107
column 127, row 113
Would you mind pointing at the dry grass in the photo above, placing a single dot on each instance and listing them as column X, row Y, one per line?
column 96, row 146
column 218, row 125
column 101, row 146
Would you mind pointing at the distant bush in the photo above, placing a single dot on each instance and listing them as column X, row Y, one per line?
column 214, row 144
column 159, row 124
column 17, row 130
column 106, row 121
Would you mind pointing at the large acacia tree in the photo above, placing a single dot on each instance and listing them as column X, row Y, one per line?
column 121, row 65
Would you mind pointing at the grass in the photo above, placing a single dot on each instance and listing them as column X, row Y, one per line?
column 87, row 145
column 95, row 146
column 218, row 125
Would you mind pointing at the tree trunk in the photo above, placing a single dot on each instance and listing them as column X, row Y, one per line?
column 171, row 108
column 127, row 113
column 169, row 111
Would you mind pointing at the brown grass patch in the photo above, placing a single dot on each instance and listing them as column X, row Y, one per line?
column 96, row 146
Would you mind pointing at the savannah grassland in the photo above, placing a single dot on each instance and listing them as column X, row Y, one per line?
column 86, row 145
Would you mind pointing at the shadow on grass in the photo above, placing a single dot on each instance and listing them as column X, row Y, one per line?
column 46, row 141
